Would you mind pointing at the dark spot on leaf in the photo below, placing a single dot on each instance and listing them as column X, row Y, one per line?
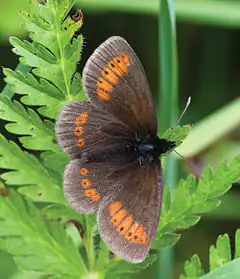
column 54, row 141
column 39, row 194
column 78, row 16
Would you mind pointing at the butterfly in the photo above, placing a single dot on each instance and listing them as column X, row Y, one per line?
column 112, row 139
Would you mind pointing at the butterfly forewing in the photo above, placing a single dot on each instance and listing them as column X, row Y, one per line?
column 82, row 127
column 115, row 81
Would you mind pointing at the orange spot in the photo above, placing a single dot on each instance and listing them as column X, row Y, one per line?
column 90, row 193
column 102, row 95
column 102, row 83
column 121, row 64
column 110, row 76
column 78, row 131
column 114, row 207
column 86, row 183
column 125, row 58
column 84, row 114
column 125, row 225
column 80, row 143
column 116, row 219
column 80, row 120
column 143, row 239
column 83, row 171
column 114, row 67
column 96, row 197
column 138, row 234
column 131, row 231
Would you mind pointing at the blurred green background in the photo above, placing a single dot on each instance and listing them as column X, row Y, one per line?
column 208, row 37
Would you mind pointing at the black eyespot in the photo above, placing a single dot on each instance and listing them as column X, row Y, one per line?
column 112, row 65
column 121, row 229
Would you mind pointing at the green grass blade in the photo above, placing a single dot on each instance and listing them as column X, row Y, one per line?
column 167, row 105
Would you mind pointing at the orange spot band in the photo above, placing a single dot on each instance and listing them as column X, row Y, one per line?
column 102, row 83
column 80, row 143
column 103, row 95
column 114, row 207
column 83, row 171
column 86, row 183
column 125, row 225
column 78, row 131
column 117, row 218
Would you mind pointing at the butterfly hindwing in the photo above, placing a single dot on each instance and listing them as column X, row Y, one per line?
column 115, row 81
column 128, row 218
column 87, row 182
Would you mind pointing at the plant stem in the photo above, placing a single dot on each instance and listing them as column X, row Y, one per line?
column 167, row 106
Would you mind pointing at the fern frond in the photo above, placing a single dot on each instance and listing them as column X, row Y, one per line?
column 27, row 122
column 221, row 262
column 193, row 198
column 36, row 181
column 37, row 245
column 53, row 54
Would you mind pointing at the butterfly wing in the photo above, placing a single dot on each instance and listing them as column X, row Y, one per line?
column 128, row 219
column 87, row 183
column 86, row 133
column 115, row 81
column 82, row 127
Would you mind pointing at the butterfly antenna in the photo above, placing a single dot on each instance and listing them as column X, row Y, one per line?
column 179, row 154
column 186, row 107
column 181, row 116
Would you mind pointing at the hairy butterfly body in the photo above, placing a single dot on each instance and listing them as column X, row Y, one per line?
column 112, row 139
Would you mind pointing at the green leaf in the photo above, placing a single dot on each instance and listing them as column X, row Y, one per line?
column 192, row 268
column 120, row 269
column 230, row 270
column 37, row 245
column 167, row 239
column 28, row 172
column 41, row 134
column 179, row 134
column 192, row 199
column 221, row 254
column 221, row 265
column 53, row 54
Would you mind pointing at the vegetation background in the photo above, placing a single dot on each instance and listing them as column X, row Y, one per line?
column 208, row 43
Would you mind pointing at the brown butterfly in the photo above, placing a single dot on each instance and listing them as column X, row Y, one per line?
column 112, row 139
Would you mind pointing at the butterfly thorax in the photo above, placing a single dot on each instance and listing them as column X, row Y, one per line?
column 151, row 149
